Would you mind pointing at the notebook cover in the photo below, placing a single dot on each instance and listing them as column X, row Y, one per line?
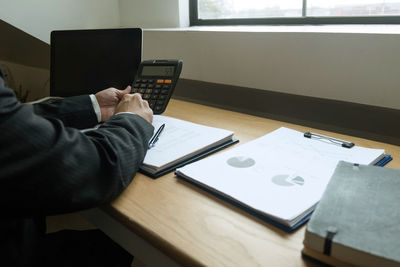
column 360, row 206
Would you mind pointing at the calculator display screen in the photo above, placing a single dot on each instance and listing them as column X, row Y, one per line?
column 158, row 71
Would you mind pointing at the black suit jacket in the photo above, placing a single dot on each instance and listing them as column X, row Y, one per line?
column 47, row 166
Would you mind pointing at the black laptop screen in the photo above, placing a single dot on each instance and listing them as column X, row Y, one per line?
column 88, row 61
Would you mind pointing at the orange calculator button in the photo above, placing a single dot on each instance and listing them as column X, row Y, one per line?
column 160, row 81
column 168, row 81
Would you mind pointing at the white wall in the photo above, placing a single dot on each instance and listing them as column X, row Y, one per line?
column 40, row 17
column 354, row 67
column 358, row 64
column 349, row 66
column 154, row 13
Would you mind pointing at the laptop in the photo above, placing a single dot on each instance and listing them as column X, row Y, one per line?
column 88, row 61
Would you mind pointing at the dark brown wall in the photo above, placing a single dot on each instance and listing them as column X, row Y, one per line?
column 21, row 48
column 371, row 122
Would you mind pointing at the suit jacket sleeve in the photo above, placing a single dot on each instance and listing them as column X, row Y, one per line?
column 76, row 111
column 48, row 168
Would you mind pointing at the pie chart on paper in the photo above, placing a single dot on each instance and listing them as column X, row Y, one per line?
column 241, row 162
column 287, row 180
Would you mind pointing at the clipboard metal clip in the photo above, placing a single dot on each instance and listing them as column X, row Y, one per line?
column 335, row 141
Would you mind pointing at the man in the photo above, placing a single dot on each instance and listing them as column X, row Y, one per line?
column 48, row 166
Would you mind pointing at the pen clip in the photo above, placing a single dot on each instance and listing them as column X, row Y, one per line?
column 336, row 141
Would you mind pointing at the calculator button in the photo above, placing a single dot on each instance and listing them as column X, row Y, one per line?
column 160, row 102
column 144, row 81
column 164, row 92
column 157, row 91
column 151, row 81
column 166, row 86
column 152, row 103
column 168, row 81
column 158, row 108
column 162, row 97
column 143, row 85
column 146, row 96
column 135, row 90
column 150, row 85
column 160, row 81
column 136, row 85
column 158, row 86
column 138, row 81
column 142, row 91
column 154, row 96
column 149, row 91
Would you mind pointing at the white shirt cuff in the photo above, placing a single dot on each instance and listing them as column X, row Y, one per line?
column 96, row 107
column 124, row 112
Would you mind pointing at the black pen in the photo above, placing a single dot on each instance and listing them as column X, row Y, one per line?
column 343, row 143
column 154, row 139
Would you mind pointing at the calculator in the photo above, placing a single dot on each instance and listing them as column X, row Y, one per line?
column 156, row 81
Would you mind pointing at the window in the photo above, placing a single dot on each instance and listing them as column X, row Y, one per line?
column 250, row 12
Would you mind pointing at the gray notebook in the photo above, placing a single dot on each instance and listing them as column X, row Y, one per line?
column 358, row 218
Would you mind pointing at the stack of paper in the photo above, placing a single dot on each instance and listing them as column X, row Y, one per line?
column 182, row 142
column 279, row 177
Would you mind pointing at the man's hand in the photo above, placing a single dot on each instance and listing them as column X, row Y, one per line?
column 135, row 104
column 108, row 100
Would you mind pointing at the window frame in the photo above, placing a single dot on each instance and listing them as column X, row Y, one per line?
column 304, row 20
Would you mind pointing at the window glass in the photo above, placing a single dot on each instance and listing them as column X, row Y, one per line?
column 234, row 9
column 353, row 8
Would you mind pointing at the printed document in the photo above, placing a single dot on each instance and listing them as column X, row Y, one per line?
column 181, row 140
column 281, row 175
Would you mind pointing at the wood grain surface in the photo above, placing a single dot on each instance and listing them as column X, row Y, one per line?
column 195, row 228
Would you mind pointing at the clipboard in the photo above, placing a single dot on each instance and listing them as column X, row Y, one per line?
column 256, row 184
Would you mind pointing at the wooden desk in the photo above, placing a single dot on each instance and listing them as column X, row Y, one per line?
column 167, row 221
